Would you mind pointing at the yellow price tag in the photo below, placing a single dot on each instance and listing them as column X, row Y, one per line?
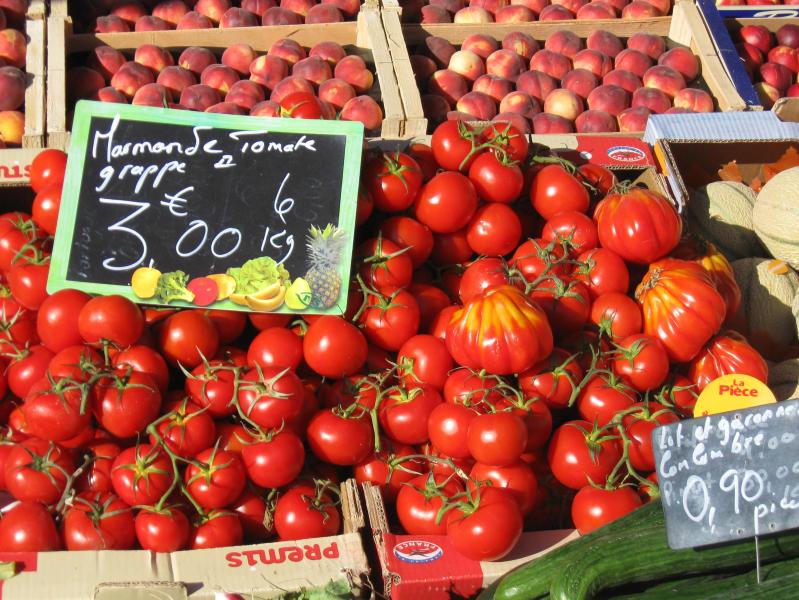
column 732, row 392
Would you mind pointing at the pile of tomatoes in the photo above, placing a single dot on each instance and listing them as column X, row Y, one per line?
column 516, row 327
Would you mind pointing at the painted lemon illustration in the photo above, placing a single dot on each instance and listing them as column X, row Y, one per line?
column 298, row 296
column 145, row 281
column 226, row 285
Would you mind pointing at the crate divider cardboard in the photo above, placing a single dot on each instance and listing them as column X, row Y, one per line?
column 685, row 28
column 364, row 37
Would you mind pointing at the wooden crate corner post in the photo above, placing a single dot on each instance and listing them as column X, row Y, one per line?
column 35, row 76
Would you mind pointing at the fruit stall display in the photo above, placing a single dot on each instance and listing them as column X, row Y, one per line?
column 163, row 15
column 524, row 11
column 601, row 77
column 340, row 70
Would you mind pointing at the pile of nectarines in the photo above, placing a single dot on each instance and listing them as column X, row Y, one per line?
column 598, row 84
column 238, row 82
column 772, row 60
column 13, row 48
column 520, row 11
column 114, row 16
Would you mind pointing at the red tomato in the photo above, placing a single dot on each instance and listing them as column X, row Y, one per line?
column 553, row 379
column 216, row 530
column 45, row 208
column 125, row 402
column 57, row 319
column 642, row 362
column 555, row 190
column 482, row 275
column 640, row 225
column 431, row 301
column 680, row 393
column 76, row 362
column 484, row 335
column 334, row 348
column 229, row 323
column 111, row 318
column 452, row 143
column 233, row 437
column 496, row 179
column 275, row 347
column 680, row 306
column 162, row 531
column 603, row 397
column 393, row 180
column 404, row 413
column 577, row 454
column 301, row 105
column 538, row 419
column 186, row 429
column 597, row 177
column 54, row 410
column 270, row 396
column 97, row 478
column 340, row 440
column 251, row 509
column 536, row 258
column 28, row 527
column 518, row 478
column 144, row 359
column 17, row 236
column 27, row 368
column 617, row 315
column 574, row 229
column 263, row 321
column 274, row 462
column 27, row 280
column 724, row 354
column 451, row 248
column 495, row 230
column 438, row 327
column 385, row 265
column 639, row 426
column 497, row 439
column 603, row 271
column 424, row 359
column 566, row 304
column 37, row 471
column 213, row 385
column 446, row 203
column 217, row 480
column 48, row 168
column 471, row 388
column 188, row 337
column 487, row 528
column 390, row 321
column 409, row 233
column 98, row 522
column 423, row 154
column 141, row 475
column 387, row 470
column 420, row 501
column 303, row 513
column 448, row 429
column 507, row 141
column 593, row 507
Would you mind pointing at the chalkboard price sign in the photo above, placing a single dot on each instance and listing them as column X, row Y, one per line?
column 180, row 208
column 729, row 476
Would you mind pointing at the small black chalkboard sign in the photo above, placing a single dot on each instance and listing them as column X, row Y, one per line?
column 729, row 476
column 155, row 198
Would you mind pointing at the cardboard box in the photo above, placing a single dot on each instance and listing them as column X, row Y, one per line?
column 364, row 37
column 762, row 11
column 255, row 571
column 685, row 28
column 692, row 144
column 15, row 162
column 724, row 33
column 427, row 567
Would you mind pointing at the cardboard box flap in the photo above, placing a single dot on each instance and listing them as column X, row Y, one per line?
column 742, row 126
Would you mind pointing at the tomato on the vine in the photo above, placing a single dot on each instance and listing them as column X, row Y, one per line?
column 488, row 527
column 496, row 179
column 446, row 203
column 305, row 512
column 393, row 180
column 340, row 439
column 593, row 507
column 217, row 478
column 579, row 454
column 555, row 190
column 495, row 230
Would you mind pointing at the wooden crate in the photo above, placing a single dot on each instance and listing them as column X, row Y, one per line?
column 15, row 162
column 685, row 28
column 364, row 37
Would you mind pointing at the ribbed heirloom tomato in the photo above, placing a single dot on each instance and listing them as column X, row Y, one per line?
column 681, row 306
column 502, row 332
column 727, row 353
column 640, row 225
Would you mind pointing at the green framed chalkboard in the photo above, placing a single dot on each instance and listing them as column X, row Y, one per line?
column 179, row 208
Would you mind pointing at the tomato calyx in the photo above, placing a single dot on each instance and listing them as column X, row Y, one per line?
column 143, row 466
column 595, row 437
column 32, row 255
column 64, row 385
column 264, row 387
column 323, row 489
column 97, row 509
column 379, row 259
column 393, row 166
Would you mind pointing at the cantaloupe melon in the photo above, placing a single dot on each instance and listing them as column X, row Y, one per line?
column 776, row 216
column 783, row 379
column 721, row 212
column 768, row 288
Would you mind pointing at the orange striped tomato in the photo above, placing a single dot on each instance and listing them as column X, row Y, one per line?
column 681, row 306
column 501, row 331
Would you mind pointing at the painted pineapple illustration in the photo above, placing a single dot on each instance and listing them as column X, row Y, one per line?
column 325, row 247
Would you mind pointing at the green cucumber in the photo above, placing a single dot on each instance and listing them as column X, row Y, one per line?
column 649, row 558
column 783, row 587
column 533, row 579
